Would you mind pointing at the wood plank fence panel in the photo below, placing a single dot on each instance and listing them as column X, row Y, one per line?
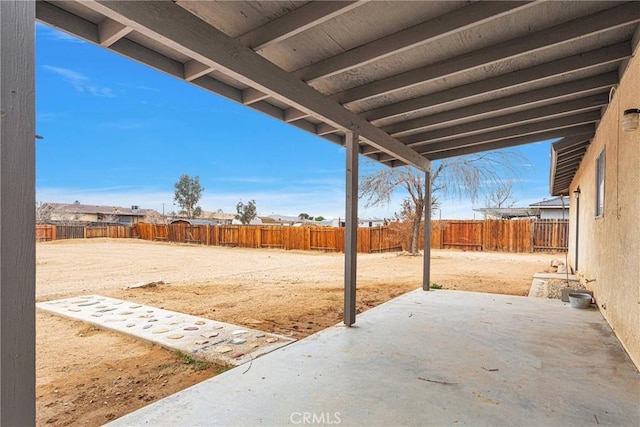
column 297, row 238
column 69, row 232
column 249, row 236
column 488, row 235
column 96, row 231
column 110, row 231
column 214, row 235
column 466, row 235
column 550, row 235
column 160, row 232
column 45, row 232
column 437, row 229
column 323, row 239
column 194, row 234
column 229, row 235
column 271, row 237
column 382, row 241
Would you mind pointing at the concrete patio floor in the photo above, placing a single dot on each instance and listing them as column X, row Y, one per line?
column 428, row 358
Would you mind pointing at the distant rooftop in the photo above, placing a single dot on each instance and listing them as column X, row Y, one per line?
column 78, row 208
column 556, row 202
column 532, row 211
column 195, row 221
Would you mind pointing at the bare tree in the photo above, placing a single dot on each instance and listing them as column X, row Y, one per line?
column 43, row 212
column 154, row 217
column 456, row 177
column 501, row 195
column 379, row 187
column 110, row 218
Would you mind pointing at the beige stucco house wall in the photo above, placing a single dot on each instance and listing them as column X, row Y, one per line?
column 74, row 216
column 608, row 253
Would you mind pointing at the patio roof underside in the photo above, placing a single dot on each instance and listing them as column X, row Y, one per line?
column 417, row 81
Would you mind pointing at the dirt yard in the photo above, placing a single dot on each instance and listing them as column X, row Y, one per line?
column 88, row 376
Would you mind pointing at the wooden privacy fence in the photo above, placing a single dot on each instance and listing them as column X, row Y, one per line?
column 111, row 231
column 537, row 235
column 550, row 235
column 488, row 235
column 47, row 232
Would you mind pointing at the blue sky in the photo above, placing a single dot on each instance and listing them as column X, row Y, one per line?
column 120, row 133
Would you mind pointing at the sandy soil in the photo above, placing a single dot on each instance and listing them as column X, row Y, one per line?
column 89, row 376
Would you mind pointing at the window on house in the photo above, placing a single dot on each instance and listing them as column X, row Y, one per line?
column 600, row 185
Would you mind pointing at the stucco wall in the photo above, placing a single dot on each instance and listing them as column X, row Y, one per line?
column 554, row 214
column 67, row 216
column 609, row 246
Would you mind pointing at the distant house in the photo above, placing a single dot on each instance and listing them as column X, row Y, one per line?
column 218, row 217
column 267, row 220
column 546, row 209
column 362, row 222
column 87, row 214
column 289, row 220
column 370, row 222
column 193, row 221
column 556, row 208
column 255, row 221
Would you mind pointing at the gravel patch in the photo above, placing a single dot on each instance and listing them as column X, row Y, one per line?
column 555, row 287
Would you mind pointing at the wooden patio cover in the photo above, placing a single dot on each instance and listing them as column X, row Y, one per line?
column 401, row 82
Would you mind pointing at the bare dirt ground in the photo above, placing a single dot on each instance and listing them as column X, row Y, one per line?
column 89, row 376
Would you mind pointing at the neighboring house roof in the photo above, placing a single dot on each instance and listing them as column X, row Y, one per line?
column 194, row 221
column 76, row 208
column 287, row 218
column 555, row 203
column 221, row 216
column 507, row 213
column 268, row 220
column 291, row 219
column 532, row 210
column 255, row 221
column 149, row 212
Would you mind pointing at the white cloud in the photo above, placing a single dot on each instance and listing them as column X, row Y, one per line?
column 80, row 82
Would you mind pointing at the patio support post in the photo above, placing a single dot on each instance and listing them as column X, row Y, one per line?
column 426, row 267
column 351, row 228
column 17, row 213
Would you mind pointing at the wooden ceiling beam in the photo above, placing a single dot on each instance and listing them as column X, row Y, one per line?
column 308, row 16
column 544, row 72
column 600, row 22
column 183, row 32
column 110, row 31
column 425, row 32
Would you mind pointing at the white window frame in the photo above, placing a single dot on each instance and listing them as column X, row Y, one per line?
column 600, row 175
